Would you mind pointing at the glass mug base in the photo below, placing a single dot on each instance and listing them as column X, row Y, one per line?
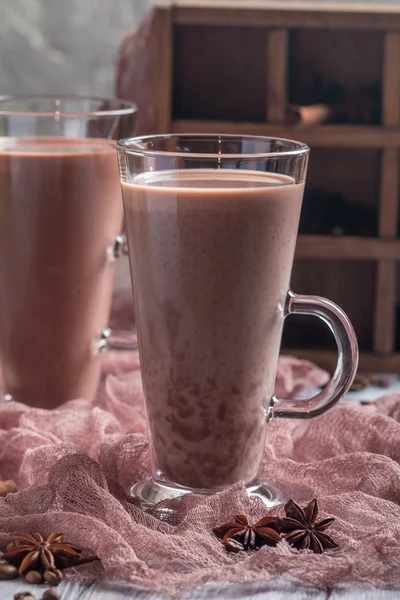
column 152, row 491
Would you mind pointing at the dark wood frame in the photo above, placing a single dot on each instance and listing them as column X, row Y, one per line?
column 384, row 249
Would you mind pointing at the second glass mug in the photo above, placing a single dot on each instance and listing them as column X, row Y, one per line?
column 60, row 224
column 211, row 226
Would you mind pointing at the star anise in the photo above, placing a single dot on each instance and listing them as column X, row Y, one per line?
column 301, row 529
column 32, row 552
column 264, row 532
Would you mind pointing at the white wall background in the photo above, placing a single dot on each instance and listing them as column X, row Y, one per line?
column 63, row 46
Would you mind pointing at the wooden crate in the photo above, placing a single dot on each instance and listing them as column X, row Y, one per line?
column 232, row 67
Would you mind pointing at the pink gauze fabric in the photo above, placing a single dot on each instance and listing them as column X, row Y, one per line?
column 73, row 464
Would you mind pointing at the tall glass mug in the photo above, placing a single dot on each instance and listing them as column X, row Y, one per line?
column 211, row 225
column 60, row 214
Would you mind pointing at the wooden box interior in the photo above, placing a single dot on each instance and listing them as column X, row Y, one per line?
column 237, row 70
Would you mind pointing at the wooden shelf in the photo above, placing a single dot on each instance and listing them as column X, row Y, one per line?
column 347, row 247
column 309, row 15
column 327, row 136
column 289, row 5
column 278, row 26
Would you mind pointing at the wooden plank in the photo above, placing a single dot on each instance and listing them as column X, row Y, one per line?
column 389, row 193
column 277, row 77
column 346, row 248
column 385, row 290
column 276, row 589
column 385, row 307
column 391, row 80
column 162, row 70
column 388, row 207
column 326, row 136
column 369, row 362
column 235, row 15
column 310, row 5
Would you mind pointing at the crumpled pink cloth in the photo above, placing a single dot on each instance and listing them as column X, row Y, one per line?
column 73, row 464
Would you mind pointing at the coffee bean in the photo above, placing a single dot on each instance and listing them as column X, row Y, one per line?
column 8, row 571
column 381, row 382
column 24, row 596
column 8, row 487
column 357, row 386
column 51, row 594
column 53, row 576
column 233, row 545
column 34, row 577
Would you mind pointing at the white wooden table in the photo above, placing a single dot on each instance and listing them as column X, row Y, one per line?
column 280, row 589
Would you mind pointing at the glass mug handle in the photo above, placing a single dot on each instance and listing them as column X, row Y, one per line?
column 109, row 339
column 115, row 251
column 120, row 247
column 347, row 364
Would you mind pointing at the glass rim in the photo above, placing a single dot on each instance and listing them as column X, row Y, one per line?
column 134, row 145
column 127, row 107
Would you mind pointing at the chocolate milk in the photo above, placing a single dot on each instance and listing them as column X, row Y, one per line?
column 211, row 255
column 60, row 210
